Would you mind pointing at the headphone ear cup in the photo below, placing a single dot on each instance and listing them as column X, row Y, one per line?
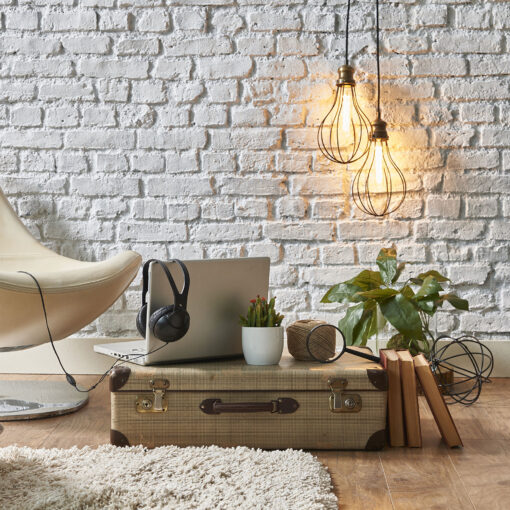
column 169, row 324
column 141, row 320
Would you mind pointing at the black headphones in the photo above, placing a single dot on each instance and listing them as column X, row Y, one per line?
column 169, row 323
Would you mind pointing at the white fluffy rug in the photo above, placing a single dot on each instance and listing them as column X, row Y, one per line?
column 208, row 478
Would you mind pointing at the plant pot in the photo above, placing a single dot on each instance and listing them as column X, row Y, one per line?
column 262, row 346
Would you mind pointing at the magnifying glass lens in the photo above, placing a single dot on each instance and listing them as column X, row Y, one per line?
column 325, row 343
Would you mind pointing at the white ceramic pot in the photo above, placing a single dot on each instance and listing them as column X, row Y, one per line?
column 262, row 346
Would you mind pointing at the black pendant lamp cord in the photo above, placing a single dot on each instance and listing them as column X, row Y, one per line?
column 347, row 33
column 377, row 59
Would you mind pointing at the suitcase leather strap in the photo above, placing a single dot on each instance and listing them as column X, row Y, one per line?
column 280, row 405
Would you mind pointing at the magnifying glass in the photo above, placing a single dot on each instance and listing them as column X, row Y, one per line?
column 321, row 338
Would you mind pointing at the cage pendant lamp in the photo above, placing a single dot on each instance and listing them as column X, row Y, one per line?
column 379, row 186
column 344, row 133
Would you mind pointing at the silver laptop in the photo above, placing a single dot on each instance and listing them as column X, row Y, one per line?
column 220, row 291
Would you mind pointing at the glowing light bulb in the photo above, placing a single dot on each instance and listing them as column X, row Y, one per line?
column 378, row 162
column 346, row 110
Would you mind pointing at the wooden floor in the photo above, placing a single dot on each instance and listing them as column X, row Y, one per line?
column 477, row 476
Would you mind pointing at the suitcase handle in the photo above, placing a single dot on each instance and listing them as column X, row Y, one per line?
column 280, row 405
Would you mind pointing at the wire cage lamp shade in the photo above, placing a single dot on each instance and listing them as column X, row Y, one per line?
column 379, row 186
column 344, row 133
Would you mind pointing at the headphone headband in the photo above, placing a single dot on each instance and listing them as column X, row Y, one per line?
column 181, row 298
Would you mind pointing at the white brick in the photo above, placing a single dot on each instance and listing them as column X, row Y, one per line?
column 269, row 21
column 148, row 231
column 29, row 45
column 115, row 91
column 252, row 186
column 247, row 138
column 481, row 207
column 111, row 163
column 154, row 20
column 72, row 162
column 136, row 116
column 178, row 186
column 148, row 92
column 289, row 68
column 182, row 212
column 200, row 46
column 220, row 67
column 225, row 231
column 222, row 92
column 227, row 22
column 183, row 92
column 251, row 208
column 172, row 69
column 319, row 21
column 89, row 139
column 109, row 208
column 70, row 20
column 185, row 161
column 113, row 21
column 96, row 68
column 209, row 116
column 148, row 209
column 216, row 210
column 255, row 45
column 41, row 68
column 85, row 44
column 101, row 185
column 138, row 47
column 172, row 117
column 248, row 117
column 181, row 139
column 31, row 139
column 64, row 90
column 190, row 19
column 299, row 231
column 218, row 162
column 97, row 116
column 26, row 116
column 443, row 207
column 148, row 163
column 22, row 20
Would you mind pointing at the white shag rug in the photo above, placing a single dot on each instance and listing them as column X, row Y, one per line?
column 206, row 478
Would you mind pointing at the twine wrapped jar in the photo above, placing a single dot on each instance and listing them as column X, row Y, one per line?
column 322, row 343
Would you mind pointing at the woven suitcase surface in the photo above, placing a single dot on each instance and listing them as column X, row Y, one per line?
column 295, row 404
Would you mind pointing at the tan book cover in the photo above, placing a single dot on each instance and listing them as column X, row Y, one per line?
column 390, row 361
column 410, row 399
column 436, row 402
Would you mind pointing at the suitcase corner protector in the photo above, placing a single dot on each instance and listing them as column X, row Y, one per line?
column 118, row 438
column 378, row 378
column 377, row 441
column 119, row 377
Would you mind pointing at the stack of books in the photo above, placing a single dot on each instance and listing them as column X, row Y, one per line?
column 403, row 411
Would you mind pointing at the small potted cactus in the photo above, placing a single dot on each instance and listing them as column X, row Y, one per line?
column 262, row 333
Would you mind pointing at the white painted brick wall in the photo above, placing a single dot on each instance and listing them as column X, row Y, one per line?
column 187, row 128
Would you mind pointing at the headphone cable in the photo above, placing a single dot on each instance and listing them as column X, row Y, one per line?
column 70, row 379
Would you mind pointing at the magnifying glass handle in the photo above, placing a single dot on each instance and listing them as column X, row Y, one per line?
column 361, row 354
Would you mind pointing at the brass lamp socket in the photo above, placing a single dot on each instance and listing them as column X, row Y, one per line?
column 379, row 131
column 345, row 75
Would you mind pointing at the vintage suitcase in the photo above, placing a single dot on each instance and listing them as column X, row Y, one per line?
column 294, row 404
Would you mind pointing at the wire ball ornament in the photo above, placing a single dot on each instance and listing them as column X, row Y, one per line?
column 471, row 363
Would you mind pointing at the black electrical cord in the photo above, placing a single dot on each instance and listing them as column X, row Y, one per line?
column 70, row 379
column 377, row 58
column 347, row 33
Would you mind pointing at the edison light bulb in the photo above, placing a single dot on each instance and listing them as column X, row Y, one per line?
column 346, row 109
column 344, row 133
column 379, row 187
column 378, row 162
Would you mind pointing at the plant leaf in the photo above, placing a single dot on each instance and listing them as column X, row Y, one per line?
column 387, row 262
column 456, row 301
column 366, row 280
column 378, row 293
column 400, row 268
column 416, row 281
column 429, row 286
column 403, row 316
column 349, row 322
column 407, row 291
column 341, row 293
column 439, row 277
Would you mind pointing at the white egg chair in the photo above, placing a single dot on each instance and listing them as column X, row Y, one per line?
column 75, row 294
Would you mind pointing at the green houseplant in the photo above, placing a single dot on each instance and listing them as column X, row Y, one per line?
column 262, row 334
column 377, row 299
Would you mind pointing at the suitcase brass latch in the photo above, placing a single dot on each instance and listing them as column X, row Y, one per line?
column 341, row 402
column 157, row 402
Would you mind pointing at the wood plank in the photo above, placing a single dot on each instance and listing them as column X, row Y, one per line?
column 358, row 479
